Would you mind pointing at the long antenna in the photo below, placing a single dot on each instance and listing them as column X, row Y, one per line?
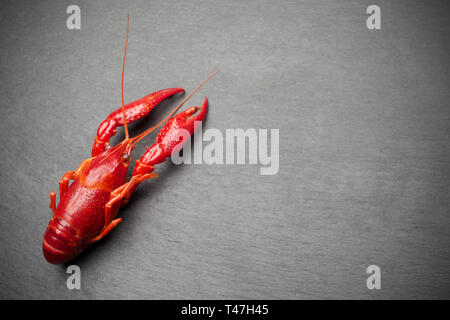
column 127, row 136
column 146, row 132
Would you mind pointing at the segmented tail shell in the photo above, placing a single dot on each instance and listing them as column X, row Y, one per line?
column 61, row 242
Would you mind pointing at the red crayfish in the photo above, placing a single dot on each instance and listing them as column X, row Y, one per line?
column 88, row 206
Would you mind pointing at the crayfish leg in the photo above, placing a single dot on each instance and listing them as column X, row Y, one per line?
column 72, row 175
column 53, row 202
column 106, row 230
column 119, row 197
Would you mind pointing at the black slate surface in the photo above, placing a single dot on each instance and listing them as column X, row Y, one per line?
column 364, row 147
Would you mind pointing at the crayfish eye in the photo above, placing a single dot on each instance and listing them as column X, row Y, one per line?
column 126, row 157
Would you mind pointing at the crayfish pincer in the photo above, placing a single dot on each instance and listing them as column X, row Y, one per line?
column 89, row 205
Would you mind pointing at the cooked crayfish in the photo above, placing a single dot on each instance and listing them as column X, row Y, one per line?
column 89, row 205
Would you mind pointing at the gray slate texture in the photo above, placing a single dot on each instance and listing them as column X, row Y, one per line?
column 364, row 147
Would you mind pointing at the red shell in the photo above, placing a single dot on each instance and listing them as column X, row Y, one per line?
column 80, row 214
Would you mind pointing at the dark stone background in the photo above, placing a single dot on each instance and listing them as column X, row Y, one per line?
column 364, row 147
